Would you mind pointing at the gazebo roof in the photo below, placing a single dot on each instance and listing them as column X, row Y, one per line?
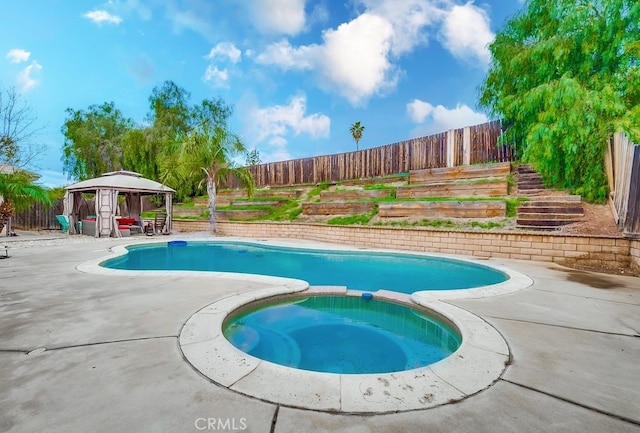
column 123, row 181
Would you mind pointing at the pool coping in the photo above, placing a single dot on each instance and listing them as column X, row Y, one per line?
column 515, row 282
column 478, row 363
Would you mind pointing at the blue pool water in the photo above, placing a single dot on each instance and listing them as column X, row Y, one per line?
column 341, row 334
column 366, row 271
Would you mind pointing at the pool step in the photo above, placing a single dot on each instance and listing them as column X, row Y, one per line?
column 327, row 289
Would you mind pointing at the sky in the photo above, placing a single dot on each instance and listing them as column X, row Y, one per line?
column 298, row 73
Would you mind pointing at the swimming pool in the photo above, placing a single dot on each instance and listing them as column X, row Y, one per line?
column 357, row 270
column 341, row 334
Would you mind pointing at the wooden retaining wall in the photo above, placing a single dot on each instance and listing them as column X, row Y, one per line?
column 246, row 214
column 443, row 209
column 613, row 252
column 338, row 208
column 189, row 211
column 355, row 194
column 449, row 189
column 432, row 175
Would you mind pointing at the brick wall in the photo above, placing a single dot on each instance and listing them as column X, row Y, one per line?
column 563, row 249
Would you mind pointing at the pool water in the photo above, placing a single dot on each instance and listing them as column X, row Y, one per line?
column 341, row 334
column 366, row 271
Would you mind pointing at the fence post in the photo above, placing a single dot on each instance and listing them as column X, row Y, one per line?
column 450, row 149
column 466, row 146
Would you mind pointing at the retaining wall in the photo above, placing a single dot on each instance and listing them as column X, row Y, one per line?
column 634, row 255
column 598, row 251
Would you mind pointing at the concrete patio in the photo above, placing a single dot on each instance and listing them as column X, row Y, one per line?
column 99, row 353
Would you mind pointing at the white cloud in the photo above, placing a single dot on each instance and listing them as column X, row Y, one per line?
column 278, row 16
column 18, row 55
column 218, row 78
column 355, row 58
column 100, row 16
column 26, row 78
column 439, row 118
column 419, row 110
column 273, row 124
column 466, row 33
column 286, row 57
column 225, row 49
column 408, row 18
column 358, row 59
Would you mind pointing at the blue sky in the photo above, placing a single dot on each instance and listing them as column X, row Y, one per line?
column 297, row 72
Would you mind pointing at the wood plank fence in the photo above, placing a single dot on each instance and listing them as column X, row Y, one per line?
column 623, row 171
column 469, row 145
column 38, row 217
column 464, row 146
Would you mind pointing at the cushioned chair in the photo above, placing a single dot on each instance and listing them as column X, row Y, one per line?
column 64, row 222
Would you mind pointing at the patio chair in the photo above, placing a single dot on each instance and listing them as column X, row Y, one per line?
column 64, row 222
column 159, row 222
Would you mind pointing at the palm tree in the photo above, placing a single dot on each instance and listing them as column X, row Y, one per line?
column 207, row 151
column 356, row 130
column 17, row 192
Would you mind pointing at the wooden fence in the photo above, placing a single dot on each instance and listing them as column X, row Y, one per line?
column 38, row 217
column 623, row 171
column 470, row 145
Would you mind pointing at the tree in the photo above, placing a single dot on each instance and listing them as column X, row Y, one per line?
column 93, row 140
column 18, row 190
column 206, row 153
column 565, row 75
column 140, row 152
column 253, row 158
column 18, row 130
column 356, row 131
column 170, row 115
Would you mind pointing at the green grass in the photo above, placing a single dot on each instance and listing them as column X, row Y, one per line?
column 319, row 188
column 444, row 224
column 248, row 207
column 261, row 198
column 512, row 205
column 287, row 211
column 487, row 226
column 204, row 216
column 362, row 219
column 378, row 187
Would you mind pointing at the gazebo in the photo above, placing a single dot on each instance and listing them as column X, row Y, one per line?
column 106, row 189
